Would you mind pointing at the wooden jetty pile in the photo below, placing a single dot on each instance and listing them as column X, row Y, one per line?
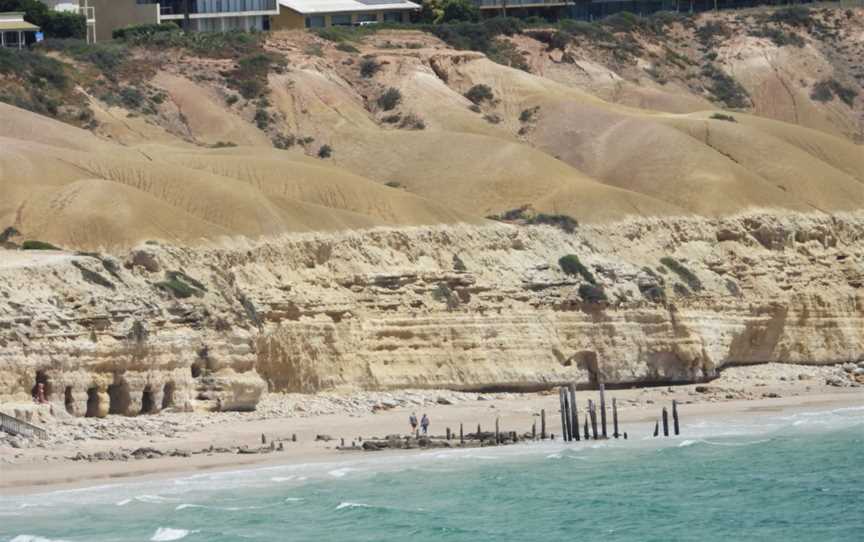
column 594, row 427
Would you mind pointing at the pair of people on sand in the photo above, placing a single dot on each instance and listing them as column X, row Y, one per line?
column 424, row 423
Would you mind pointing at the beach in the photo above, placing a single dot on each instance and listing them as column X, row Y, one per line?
column 199, row 442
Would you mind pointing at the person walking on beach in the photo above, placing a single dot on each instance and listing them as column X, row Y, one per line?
column 424, row 424
column 412, row 419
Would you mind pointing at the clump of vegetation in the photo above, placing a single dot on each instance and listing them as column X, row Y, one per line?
column 571, row 265
column 393, row 184
column 713, row 31
column 58, row 24
column 526, row 216
column 340, row 34
column 262, row 118
column 325, row 151
column 369, row 67
column 480, row 93
column 232, row 99
column 249, row 77
column 592, row 293
column 529, row 115
column 347, row 48
column 722, row 116
column 780, row 37
column 458, row 264
column 314, row 49
column 181, row 285
column 390, row 99
column 93, row 277
column 38, row 245
column 725, row 89
column 391, row 119
column 443, row 293
column 504, row 52
column 412, row 122
column 139, row 31
column 492, row 118
column 583, row 29
column 284, row 142
column 798, row 16
column 231, row 44
column 683, row 272
column 824, row 91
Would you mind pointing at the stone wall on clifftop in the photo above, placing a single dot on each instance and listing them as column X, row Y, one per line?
column 446, row 306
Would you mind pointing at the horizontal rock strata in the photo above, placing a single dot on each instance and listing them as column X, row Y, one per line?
column 464, row 307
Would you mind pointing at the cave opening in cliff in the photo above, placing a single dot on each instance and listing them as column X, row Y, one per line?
column 168, row 395
column 69, row 400
column 118, row 398
column 196, row 370
column 92, row 403
column 148, row 406
column 41, row 378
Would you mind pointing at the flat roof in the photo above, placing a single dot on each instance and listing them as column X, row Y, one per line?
column 343, row 6
column 14, row 20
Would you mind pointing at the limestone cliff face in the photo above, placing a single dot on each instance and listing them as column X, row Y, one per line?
column 448, row 306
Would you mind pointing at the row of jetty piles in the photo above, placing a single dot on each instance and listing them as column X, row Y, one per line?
column 594, row 427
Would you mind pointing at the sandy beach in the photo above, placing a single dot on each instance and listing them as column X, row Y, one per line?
column 39, row 467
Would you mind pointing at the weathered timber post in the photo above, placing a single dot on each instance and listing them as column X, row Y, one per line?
column 603, row 409
column 497, row 432
column 574, row 415
column 568, row 418
column 665, row 422
column 263, row 439
column 478, row 430
column 293, row 437
column 461, row 435
column 593, row 408
column 675, row 416
column 615, row 418
column 587, row 436
column 343, row 443
column 448, row 433
column 625, row 435
column 534, row 431
column 656, row 428
column 563, row 414
column 543, row 424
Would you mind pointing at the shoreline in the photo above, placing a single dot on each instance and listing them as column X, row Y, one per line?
column 39, row 471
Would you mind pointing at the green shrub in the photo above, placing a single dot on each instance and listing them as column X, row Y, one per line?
column 623, row 21
column 529, row 114
column 93, row 277
column 232, row 99
column 338, row 34
column 314, row 49
column 504, row 52
column 726, row 89
column 8, row 233
column 591, row 293
column 38, row 245
column 390, row 99
column 369, row 67
column 393, row 184
column 562, row 222
column 181, row 285
column 325, row 151
column 347, row 48
column 392, row 119
column 589, row 31
column 140, row 31
column 798, row 16
column 480, row 93
column 249, row 77
column 284, row 142
column 685, row 274
column 262, row 119
column 780, row 37
column 711, row 31
column 824, row 91
column 571, row 265
column 492, row 118
column 412, row 122
column 721, row 116
column 131, row 97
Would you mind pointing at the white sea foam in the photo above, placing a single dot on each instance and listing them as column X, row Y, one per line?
column 352, row 505
column 685, row 443
column 293, row 499
column 164, row 534
column 339, row 473
column 153, row 499
column 283, row 478
column 124, row 502
column 33, row 538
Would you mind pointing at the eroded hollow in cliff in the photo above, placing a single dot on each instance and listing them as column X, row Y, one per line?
column 92, row 403
column 118, row 397
column 148, row 406
column 196, row 370
column 69, row 400
column 41, row 378
column 168, row 395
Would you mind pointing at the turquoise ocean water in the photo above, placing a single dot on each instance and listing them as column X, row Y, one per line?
column 774, row 477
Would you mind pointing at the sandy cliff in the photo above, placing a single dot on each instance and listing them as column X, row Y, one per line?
column 446, row 306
